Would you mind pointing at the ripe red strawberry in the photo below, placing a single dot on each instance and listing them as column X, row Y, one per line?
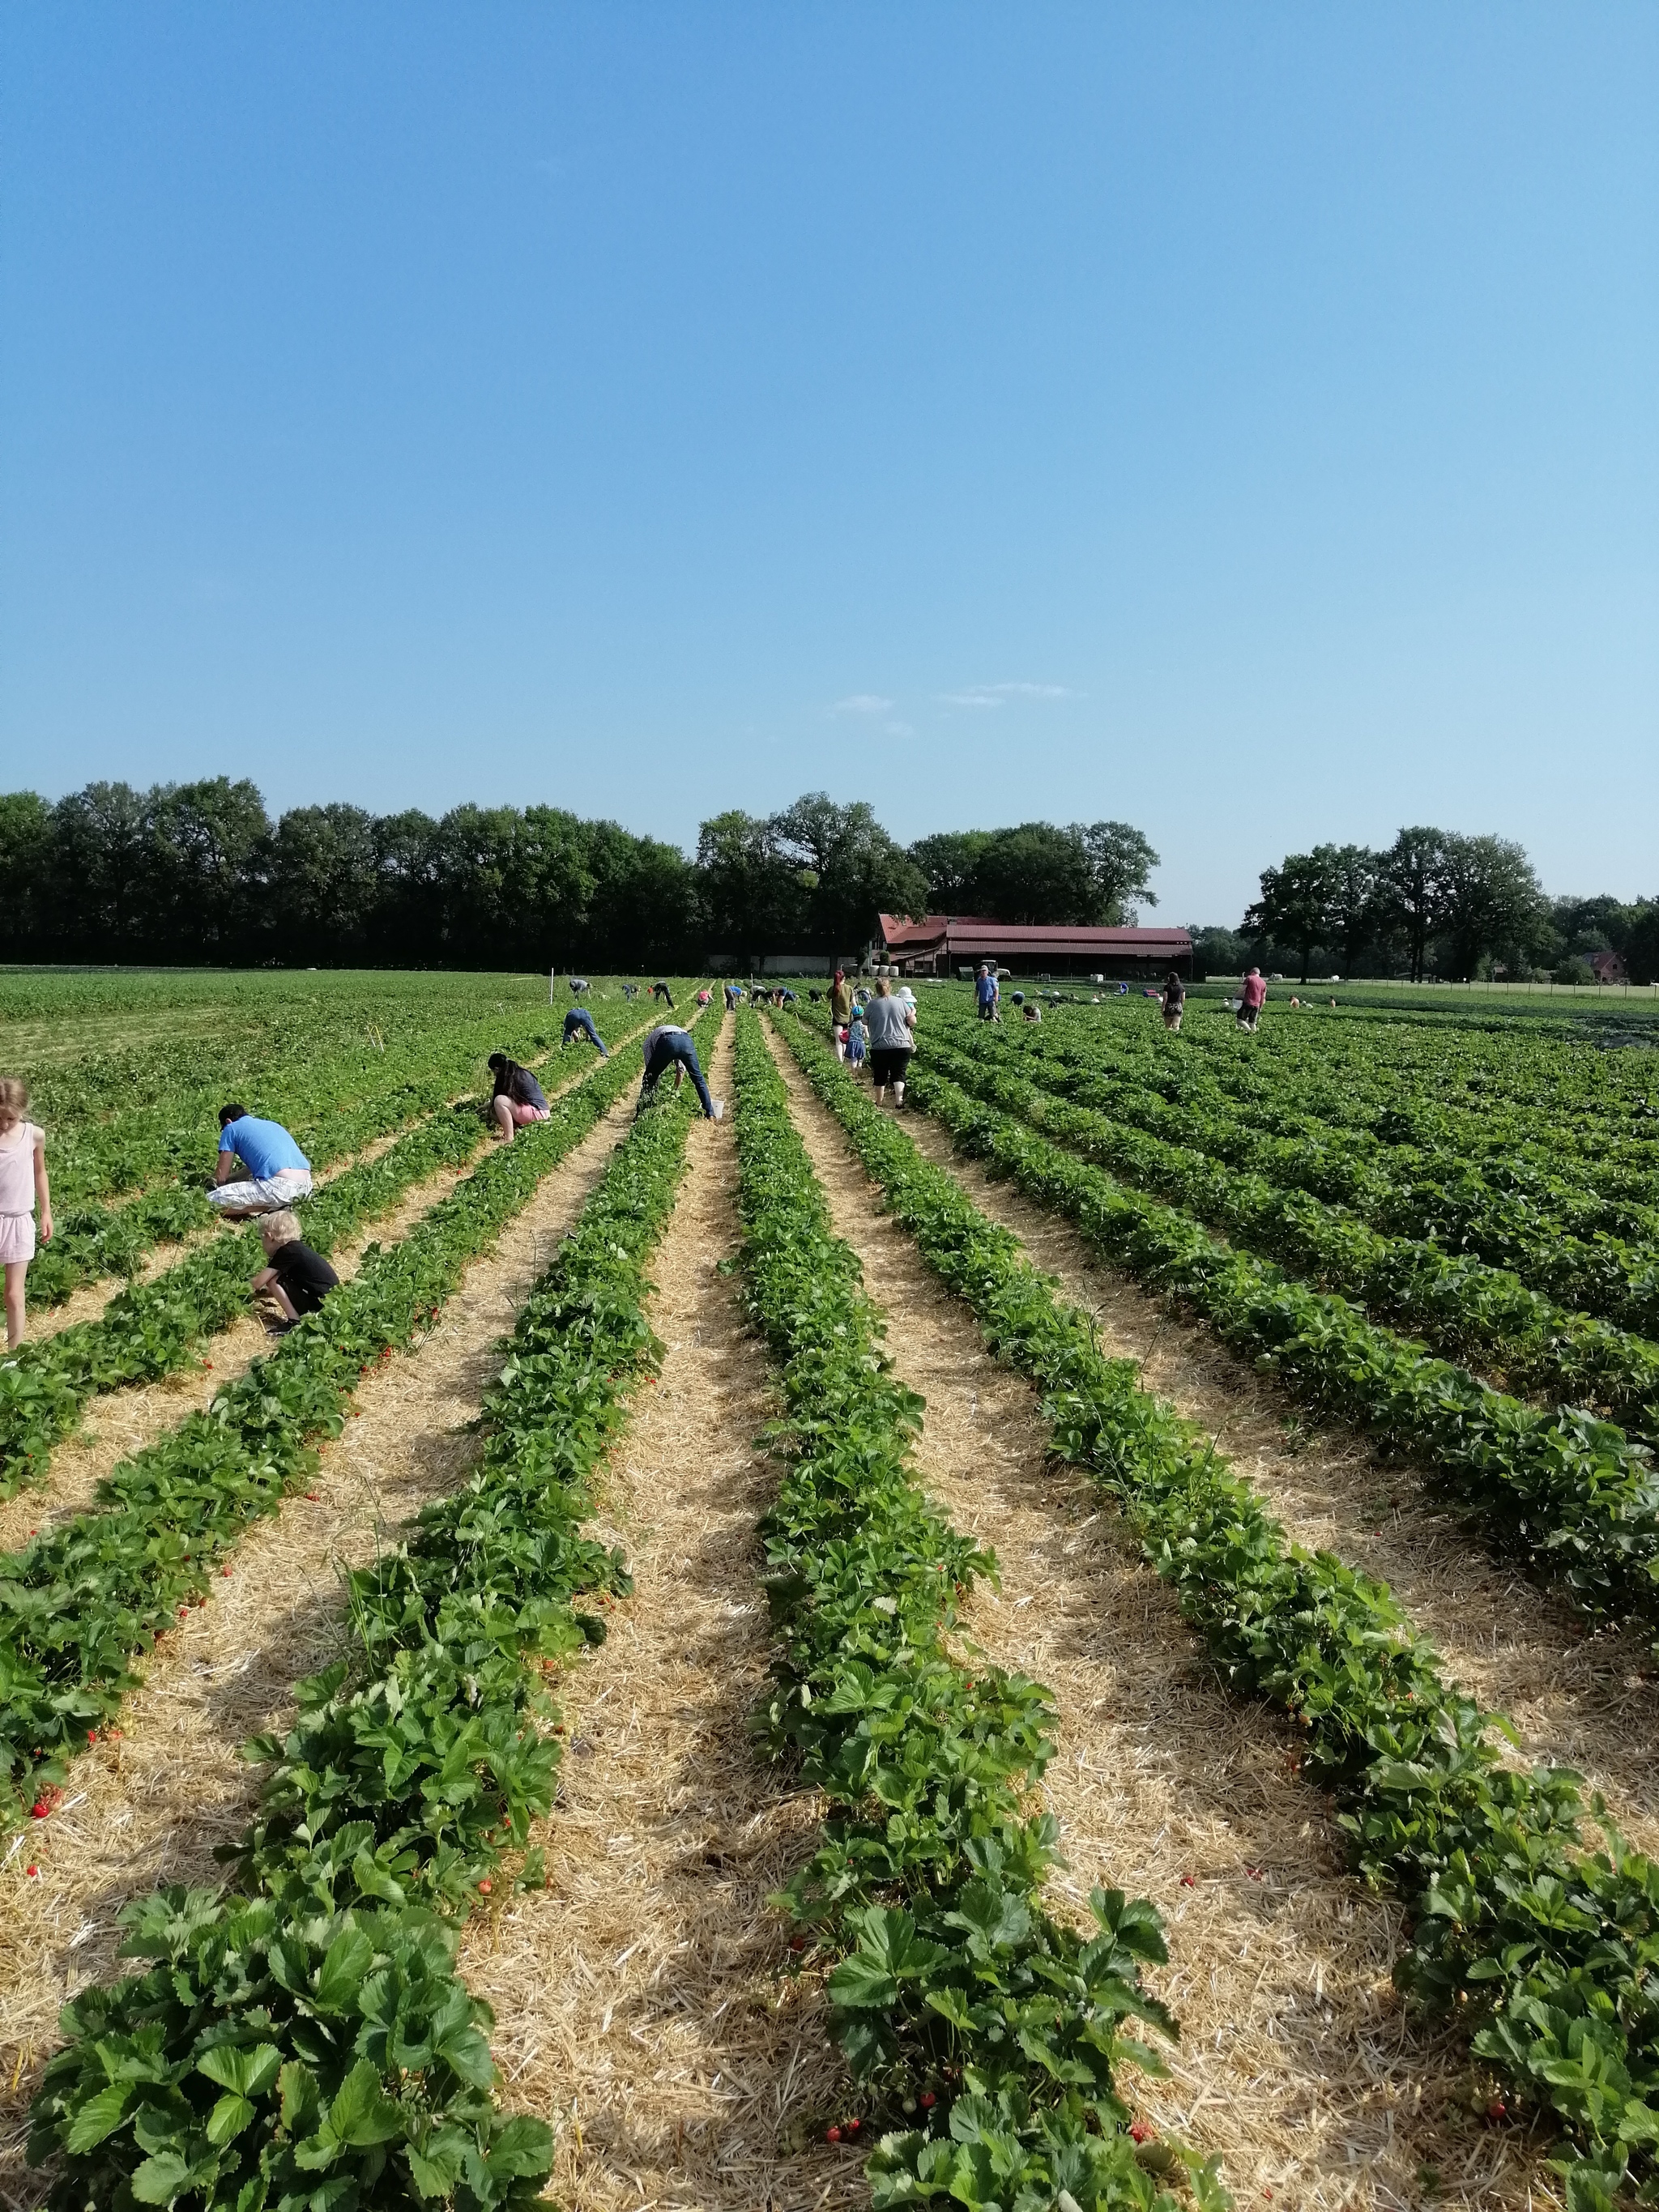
column 32, row 1873
column 1189, row 1881
column 926, row 2099
column 853, row 2125
column 485, row 1887
column 832, row 2135
column 798, row 1942
column 1498, row 2110
column 1140, row 2132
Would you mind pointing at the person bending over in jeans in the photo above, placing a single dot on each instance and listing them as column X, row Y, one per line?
column 298, row 1279
column 517, row 1099
column 578, row 1023
column 278, row 1172
column 667, row 1047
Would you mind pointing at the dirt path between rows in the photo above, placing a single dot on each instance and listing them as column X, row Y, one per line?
column 1296, row 2062
column 640, row 2005
column 151, row 1810
column 1586, row 1702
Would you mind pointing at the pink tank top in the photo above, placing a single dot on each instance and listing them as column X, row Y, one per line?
column 17, row 1169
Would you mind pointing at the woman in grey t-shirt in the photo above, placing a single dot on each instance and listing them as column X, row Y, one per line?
column 892, row 1042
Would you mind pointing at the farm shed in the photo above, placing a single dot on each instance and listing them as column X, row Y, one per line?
column 941, row 944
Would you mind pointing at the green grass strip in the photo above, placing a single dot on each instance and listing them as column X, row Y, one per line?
column 989, row 2035
column 301, row 2043
column 1547, row 1952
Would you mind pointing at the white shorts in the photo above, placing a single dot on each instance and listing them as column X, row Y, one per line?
column 16, row 1238
column 262, row 1193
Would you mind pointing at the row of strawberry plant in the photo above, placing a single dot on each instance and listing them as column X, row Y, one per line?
column 1452, row 1084
column 84, row 1600
column 303, row 2040
column 1576, row 1498
column 1588, row 1252
column 958, row 1999
column 336, row 1103
column 1547, row 1951
column 1598, row 1176
column 153, row 1328
column 1461, row 1303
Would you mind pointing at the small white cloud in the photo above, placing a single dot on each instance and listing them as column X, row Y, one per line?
column 899, row 729
column 863, row 702
column 999, row 695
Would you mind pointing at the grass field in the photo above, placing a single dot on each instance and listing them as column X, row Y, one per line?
column 1089, row 1643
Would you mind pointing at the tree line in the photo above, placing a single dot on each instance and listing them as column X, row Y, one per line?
column 1433, row 903
column 200, row 873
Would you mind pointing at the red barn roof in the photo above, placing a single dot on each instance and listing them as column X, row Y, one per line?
column 971, row 937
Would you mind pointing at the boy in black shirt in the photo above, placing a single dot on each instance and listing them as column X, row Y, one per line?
column 298, row 1279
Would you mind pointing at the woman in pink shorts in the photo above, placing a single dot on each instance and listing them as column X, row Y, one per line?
column 517, row 1098
column 23, row 1186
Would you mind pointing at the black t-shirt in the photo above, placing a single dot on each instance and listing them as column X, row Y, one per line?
column 304, row 1274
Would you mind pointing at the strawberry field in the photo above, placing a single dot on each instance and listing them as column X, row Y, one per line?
column 1087, row 1645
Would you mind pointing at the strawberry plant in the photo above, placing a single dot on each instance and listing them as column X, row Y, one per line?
column 1579, row 1500
column 154, row 1330
column 925, row 1886
column 80, row 1604
column 1547, row 1952
column 1460, row 1302
column 303, row 2040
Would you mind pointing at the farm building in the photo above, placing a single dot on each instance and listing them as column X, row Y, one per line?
column 941, row 943
column 1607, row 967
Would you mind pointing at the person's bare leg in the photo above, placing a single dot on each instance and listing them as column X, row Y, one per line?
column 16, row 1271
column 502, row 1108
column 289, row 1308
column 898, row 1091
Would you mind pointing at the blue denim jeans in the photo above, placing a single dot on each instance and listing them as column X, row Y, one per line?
column 667, row 1052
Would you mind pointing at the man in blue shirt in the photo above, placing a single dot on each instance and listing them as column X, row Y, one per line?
column 277, row 1171
column 987, row 990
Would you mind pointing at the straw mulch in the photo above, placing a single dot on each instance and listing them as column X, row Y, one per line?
column 121, row 1422
column 1584, row 1701
column 1296, row 2062
column 642, row 2003
column 150, row 1809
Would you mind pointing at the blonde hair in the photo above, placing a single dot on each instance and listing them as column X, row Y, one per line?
column 281, row 1227
column 884, row 988
column 14, row 1101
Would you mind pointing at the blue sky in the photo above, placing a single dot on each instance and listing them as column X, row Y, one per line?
column 1242, row 420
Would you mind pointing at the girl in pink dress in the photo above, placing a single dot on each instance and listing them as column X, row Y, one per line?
column 22, row 1184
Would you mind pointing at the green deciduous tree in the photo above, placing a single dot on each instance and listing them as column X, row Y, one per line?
column 1412, row 890
column 857, row 870
column 1489, row 901
column 1036, row 872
